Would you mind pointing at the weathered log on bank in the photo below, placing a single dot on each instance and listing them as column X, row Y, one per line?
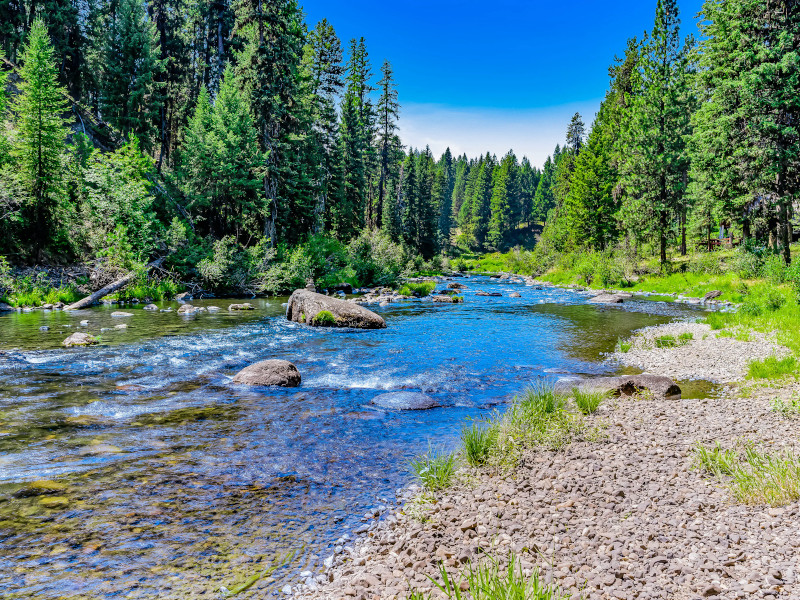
column 111, row 288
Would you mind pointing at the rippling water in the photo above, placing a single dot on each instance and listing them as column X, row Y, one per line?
column 178, row 482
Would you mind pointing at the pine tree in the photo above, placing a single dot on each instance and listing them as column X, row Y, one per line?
column 504, row 198
column 654, row 155
column 131, row 100
column 324, row 58
column 576, row 132
column 481, row 202
column 543, row 199
column 409, row 200
column 388, row 142
column 41, row 133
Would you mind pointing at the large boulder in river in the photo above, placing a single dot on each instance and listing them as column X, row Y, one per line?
column 628, row 385
column 5, row 307
column 304, row 306
column 80, row 339
column 405, row 401
column 274, row 372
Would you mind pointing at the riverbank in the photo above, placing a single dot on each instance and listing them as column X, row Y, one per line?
column 627, row 516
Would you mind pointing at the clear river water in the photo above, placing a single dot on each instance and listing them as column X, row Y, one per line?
column 173, row 482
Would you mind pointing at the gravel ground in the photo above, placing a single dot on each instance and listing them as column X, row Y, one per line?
column 622, row 518
column 705, row 356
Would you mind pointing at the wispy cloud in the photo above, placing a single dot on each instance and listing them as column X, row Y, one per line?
column 474, row 131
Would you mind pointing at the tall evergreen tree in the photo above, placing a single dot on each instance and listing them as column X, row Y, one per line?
column 655, row 157
column 388, row 142
column 41, row 133
column 131, row 99
column 576, row 133
column 503, row 200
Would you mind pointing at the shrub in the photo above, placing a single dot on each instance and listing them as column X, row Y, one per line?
column 774, row 269
column 435, row 469
column 708, row 263
column 324, row 318
column 478, row 442
column 745, row 263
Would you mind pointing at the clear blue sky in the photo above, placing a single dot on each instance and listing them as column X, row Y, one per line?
column 495, row 75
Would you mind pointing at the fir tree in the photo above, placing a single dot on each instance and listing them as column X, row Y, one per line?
column 388, row 142
column 41, row 133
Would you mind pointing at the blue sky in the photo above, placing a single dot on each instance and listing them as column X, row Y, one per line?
column 480, row 76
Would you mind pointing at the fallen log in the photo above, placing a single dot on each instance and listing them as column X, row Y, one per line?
column 111, row 287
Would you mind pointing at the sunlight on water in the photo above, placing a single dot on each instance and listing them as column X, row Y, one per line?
column 173, row 481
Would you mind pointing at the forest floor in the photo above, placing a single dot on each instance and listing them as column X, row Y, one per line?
column 626, row 515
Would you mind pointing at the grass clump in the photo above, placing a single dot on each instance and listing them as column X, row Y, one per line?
column 755, row 477
column 685, row 338
column 624, row 346
column 435, row 469
column 666, row 341
column 787, row 407
column 487, row 580
column 421, row 289
column 324, row 318
column 478, row 442
column 588, row 401
column 773, row 368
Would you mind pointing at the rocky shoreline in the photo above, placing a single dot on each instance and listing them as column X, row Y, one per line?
column 625, row 517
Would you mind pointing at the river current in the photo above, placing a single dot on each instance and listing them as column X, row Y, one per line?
column 173, row 482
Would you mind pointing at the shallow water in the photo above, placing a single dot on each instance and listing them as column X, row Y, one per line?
column 178, row 482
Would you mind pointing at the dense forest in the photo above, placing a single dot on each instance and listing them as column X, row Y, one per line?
column 255, row 152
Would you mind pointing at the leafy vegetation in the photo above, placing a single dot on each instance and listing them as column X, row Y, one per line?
column 478, row 442
column 588, row 401
column 324, row 318
column 421, row 289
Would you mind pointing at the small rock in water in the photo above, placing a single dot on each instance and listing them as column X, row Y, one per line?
column 119, row 313
column 405, row 401
column 80, row 339
column 150, row 307
column 279, row 373
column 121, row 326
column 84, row 323
column 44, row 328
column 243, row 306
column 213, row 309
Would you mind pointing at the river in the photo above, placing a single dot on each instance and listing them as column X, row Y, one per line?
column 177, row 482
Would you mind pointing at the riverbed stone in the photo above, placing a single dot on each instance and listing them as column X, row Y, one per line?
column 608, row 299
column 5, row 307
column 241, row 306
column 405, row 401
column 41, row 487
column 151, row 307
column 456, row 286
column 80, row 339
column 267, row 373
column 120, row 313
column 303, row 307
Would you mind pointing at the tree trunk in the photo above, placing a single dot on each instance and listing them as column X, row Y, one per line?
column 110, row 288
column 663, row 237
column 683, row 233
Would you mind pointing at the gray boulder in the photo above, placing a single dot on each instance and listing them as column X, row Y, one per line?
column 280, row 373
column 489, row 294
column 119, row 313
column 151, row 307
column 456, row 286
column 712, row 294
column 405, row 401
column 183, row 297
column 608, row 299
column 303, row 307
column 515, row 295
column 80, row 339
column 627, row 385
column 5, row 307
column 243, row 306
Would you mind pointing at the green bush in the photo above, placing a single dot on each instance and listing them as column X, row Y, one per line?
column 706, row 262
column 588, row 401
column 745, row 264
column 774, row 269
column 665, row 341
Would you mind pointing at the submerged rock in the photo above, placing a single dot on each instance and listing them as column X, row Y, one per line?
column 515, row 295
column 627, row 385
column 119, row 313
column 213, row 309
column 243, row 306
column 304, row 306
column 150, row 307
column 80, row 339
column 405, row 401
column 54, row 501
column 40, row 488
column 274, row 372
column 186, row 309
column 489, row 294
column 444, row 298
